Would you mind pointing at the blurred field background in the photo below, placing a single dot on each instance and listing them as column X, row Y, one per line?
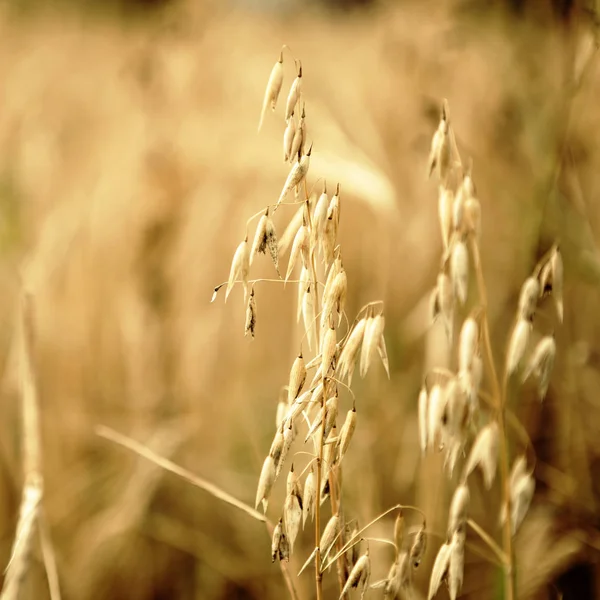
column 129, row 162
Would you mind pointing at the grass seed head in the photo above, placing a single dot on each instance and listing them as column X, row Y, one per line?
column 265, row 482
column 484, row 454
column 445, row 203
column 517, row 346
column 373, row 333
column 294, row 93
column 472, row 217
column 329, row 535
column 435, row 416
column 303, row 282
column 459, row 270
column 347, row 432
column 423, row 409
column 458, row 509
column 275, row 540
column 419, row 547
column 521, row 497
column 541, row 364
column 456, row 566
column 399, row 532
column 259, row 245
column 446, row 303
column 349, row 353
column 309, row 497
column 299, row 139
column 284, row 548
column 297, row 378
column 277, row 445
column 441, row 153
column 308, row 314
column 288, row 138
column 439, row 570
column 359, row 576
column 328, row 351
column 530, row 292
column 292, row 510
column 288, row 438
column 295, row 176
column 468, row 344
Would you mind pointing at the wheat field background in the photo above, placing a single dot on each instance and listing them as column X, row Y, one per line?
column 129, row 162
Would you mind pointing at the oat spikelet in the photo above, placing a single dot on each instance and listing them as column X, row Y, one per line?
column 319, row 217
column 440, row 153
column 446, row 303
column 273, row 88
column 517, row 345
column 373, row 333
column 299, row 248
column 458, row 509
column 276, row 540
column 303, row 282
column 347, row 360
column 250, row 315
column 297, row 378
column 399, row 532
column 435, row 415
column 308, row 314
column 445, row 202
column 277, row 446
column 541, row 364
column 265, row 482
column 439, row 570
column 530, row 292
column 484, row 454
column 288, row 438
column 459, row 270
column 292, row 509
column 288, row 138
column 329, row 534
column 423, row 419
column 294, row 94
column 417, row 551
column 297, row 146
column 472, row 217
column 328, row 351
column 456, row 566
column 260, row 237
column 551, row 278
column 347, row 432
column 521, row 497
column 296, row 175
column 240, row 265
column 309, row 497
column 469, row 337
column 359, row 576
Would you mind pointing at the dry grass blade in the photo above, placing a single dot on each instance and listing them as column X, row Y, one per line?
column 163, row 463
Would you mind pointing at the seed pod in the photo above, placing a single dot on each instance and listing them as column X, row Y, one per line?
column 250, row 324
column 399, row 532
column 308, row 314
column 359, row 575
column 528, row 298
column 517, row 345
column 423, row 420
column 469, row 338
column 459, row 270
column 541, row 364
column 276, row 539
column 309, row 497
column 373, row 332
column 347, row 432
column 303, row 282
column 445, row 202
column 458, row 509
column 329, row 535
column 240, row 265
column 456, row 566
column 288, row 138
column 299, row 248
column 273, row 88
column 297, row 147
column 297, row 378
column 294, row 95
column 350, row 350
column 265, row 482
column 435, row 415
column 296, row 175
column 439, row 570
column 484, row 454
column 419, row 547
column 440, row 153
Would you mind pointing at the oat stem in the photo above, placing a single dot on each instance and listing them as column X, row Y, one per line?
column 490, row 543
column 499, row 402
column 318, row 573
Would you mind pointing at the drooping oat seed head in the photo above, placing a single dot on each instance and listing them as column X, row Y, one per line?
column 331, row 413
column 372, row 336
column 294, row 94
column 296, row 175
column 440, row 154
column 259, row 245
column 299, row 249
column 472, row 217
column 288, row 438
column 297, row 378
column 458, row 509
column 456, row 566
column 347, row 432
column 459, row 270
column 273, row 88
column 288, row 138
column 265, row 482
column 517, row 346
column 328, row 351
column 359, row 576
column 439, row 570
column 521, row 497
column 528, row 298
column 419, row 546
column 468, row 344
column 329, row 535
column 435, row 415
column 280, row 414
column 484, row 454
column 309, row 497
column 446, row 303
column 250, row 324
column 303, row 282
column 347, row 360
column 456, row 409
column 308, row 314
column 276, row 539
column 541, row 364
column 297, row 147
column 240, row 266
column 292, row 510
column 320, row 216
column 284, row 548
column 277, row 445
column 551, row 279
